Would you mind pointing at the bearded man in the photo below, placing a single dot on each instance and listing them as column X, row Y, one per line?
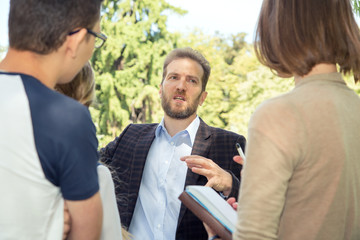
column 153, row 163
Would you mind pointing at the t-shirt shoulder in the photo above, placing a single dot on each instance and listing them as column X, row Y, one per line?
column 65, row 139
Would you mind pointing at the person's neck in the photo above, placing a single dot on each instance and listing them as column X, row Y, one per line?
column 320, row 68
column 173, row 126
column 41, row 67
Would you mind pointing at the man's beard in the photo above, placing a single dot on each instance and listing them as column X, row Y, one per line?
column 181, row 114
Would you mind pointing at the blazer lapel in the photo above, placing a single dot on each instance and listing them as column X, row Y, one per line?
column 200, row 147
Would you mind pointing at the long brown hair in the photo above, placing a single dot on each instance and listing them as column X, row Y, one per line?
column 82, row 87
column 293, row 36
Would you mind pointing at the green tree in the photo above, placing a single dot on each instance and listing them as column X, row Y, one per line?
column 235, row 87
column 356, row 5
column 128, row 70
column 3, row 51
column 225, row 79
column 129, row 66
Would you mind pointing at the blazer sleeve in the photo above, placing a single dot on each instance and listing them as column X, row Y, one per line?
column 107, row 153
column 236, row 179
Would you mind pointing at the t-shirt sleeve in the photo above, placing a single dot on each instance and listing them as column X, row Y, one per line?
column 65, row 140
column 78, row 178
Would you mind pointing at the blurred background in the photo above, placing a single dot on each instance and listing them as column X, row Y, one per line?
column 128, row 68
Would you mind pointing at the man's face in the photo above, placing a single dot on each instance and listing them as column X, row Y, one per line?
column 88, row 45
column 82, row 54
column 181, row 91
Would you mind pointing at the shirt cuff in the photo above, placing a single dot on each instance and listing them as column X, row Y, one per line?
column 214, row 237
column 223, row 196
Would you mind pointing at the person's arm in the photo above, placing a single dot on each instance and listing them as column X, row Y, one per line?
column 76, row 174
column 224, row 181
column 106, row 153
column 218, row 178
column 235, row 168
column 67, row 222
column 272, row 153
column 86, row 218
column 111, row 219
column 235, row 185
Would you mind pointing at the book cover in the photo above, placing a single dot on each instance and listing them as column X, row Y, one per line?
column 212, row 209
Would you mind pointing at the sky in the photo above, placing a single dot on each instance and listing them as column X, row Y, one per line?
column 4, row 12
column 225, row 16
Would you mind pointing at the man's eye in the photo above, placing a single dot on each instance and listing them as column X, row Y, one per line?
column 172, row 77
column 193, row 81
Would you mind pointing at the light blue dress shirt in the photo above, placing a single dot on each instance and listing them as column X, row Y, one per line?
column 157, row 207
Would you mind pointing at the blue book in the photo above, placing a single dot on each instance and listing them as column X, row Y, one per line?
column 211, row 208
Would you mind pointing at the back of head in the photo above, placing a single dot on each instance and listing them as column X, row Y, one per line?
column 41, row 26
column 82, row 87
column 191, row 54
column 294, row 35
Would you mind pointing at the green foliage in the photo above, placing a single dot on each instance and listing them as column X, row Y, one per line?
column 349, row 79
column 129, row 66
column 235, row 87
column 129, row 70
column 356, row 6
column 3, row 51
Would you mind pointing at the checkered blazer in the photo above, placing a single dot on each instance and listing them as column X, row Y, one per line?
column 126, row 157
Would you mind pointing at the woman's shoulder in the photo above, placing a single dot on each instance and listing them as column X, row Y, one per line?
column 103, row 172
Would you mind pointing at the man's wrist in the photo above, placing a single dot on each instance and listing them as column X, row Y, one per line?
column 214, row 237
column 223, row 195
column 228, row 184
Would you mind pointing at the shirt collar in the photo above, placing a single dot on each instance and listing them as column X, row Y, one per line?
column 191, row 129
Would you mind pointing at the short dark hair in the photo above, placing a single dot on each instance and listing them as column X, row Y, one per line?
column 190, row 53
column 41, row 26
column 293, row 36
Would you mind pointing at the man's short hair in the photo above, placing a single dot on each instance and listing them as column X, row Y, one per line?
column 41, row 26
column 294, row 35
column 188, row 52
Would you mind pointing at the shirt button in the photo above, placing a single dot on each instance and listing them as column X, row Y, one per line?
column 166, row 162
column 158, row 225
column 172, row 143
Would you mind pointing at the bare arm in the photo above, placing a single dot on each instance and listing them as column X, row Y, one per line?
column 86, row 218
column 67, row 222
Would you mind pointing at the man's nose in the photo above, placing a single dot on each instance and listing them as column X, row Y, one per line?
column 181, row 84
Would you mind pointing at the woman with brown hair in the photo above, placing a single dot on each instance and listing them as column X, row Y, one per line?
column 301, row 178
column 82, row 87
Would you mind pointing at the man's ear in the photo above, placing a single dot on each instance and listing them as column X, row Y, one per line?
column 202, row 97
column 73, row 42
column 160, row 90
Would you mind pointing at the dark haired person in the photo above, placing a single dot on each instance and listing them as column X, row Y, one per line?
column 48, row 146
column 152, row 159
column 301, row 178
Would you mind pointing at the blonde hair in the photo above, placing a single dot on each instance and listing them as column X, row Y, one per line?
column 82, row 87
column 125, row 234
